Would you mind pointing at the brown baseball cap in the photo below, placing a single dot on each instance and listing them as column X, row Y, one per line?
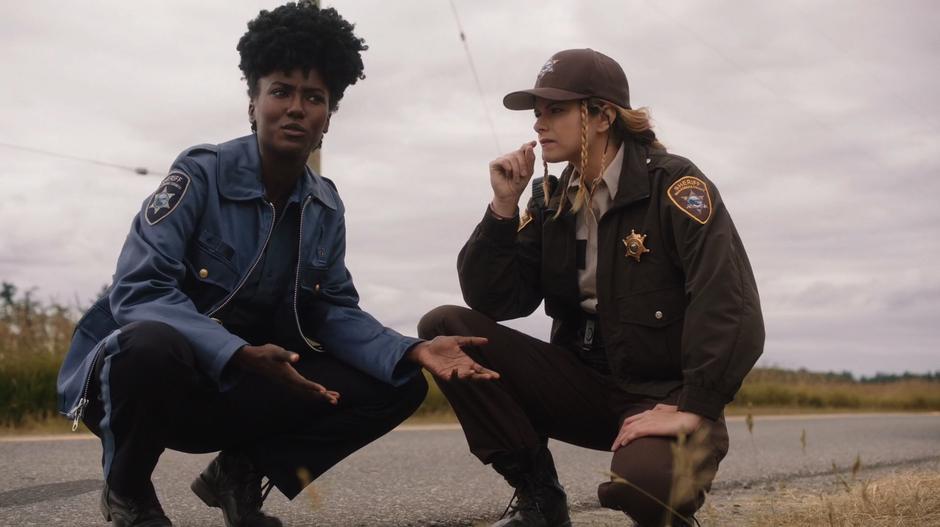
column 575, row 74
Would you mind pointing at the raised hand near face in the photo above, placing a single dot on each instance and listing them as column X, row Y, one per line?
column 509, row 176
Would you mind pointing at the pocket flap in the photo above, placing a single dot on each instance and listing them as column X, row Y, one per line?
column 210, row 268
column 214, row 244
column 655, row 308
column 310, row 277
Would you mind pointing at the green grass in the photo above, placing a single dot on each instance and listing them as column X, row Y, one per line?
column 33, row 340
column 773, row 387
column 35, row 336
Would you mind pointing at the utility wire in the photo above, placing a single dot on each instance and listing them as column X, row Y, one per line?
column 466, row 47
column 141, row 171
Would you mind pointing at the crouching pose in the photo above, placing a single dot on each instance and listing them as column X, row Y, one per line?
column 656, row 316
column 232, row 322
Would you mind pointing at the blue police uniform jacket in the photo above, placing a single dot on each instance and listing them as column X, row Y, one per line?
column 192, row 246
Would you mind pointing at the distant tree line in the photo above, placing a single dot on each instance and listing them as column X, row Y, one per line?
column 17, row 309
column 847, row 376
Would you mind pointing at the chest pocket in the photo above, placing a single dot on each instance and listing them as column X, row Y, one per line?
column 657, row 308
column 651, row 333
column 311, row 281
column 211, row 262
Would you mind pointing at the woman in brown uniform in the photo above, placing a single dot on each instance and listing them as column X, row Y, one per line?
column 656, row 316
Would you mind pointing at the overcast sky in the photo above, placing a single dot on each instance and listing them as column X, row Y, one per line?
column 818, row 121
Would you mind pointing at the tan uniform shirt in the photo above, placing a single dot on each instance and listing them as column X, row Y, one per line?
column 586, row 227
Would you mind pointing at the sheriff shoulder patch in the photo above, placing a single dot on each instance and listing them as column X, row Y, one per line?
column 167, row 197
column 691, row 195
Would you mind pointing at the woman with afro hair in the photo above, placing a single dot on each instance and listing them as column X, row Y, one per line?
column 232, row 323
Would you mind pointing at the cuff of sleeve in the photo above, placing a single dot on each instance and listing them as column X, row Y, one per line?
column 405, row 369
column 500, row 231
column 226, row 378
column 701, row 401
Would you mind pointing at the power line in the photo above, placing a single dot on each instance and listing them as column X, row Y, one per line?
column 473, row 69
column 141, row 171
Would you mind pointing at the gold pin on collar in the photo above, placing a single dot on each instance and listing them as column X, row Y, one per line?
column 635, row 247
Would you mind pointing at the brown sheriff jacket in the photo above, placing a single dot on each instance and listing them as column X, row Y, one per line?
column 686, row 314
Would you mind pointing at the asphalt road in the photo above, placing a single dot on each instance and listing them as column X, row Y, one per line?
column 427, row 477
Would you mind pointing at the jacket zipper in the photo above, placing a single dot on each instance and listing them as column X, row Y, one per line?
column 78, row 410
column 315, row 346
column 253, row 265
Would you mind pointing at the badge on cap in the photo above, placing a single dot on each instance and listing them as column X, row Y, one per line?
column 548, row 67
column 635, row 247
column 691, row 195
column 167, row 197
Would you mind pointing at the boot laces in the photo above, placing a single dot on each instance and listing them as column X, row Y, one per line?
column 520, row 503
column 248, row 483
column 265, row 490
column 510, row 504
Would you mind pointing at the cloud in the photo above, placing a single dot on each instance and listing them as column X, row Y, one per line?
column 818, row 121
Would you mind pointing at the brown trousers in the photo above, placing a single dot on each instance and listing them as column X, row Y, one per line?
column 545, row 391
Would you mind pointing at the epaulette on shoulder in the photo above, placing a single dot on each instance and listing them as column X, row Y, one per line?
column 672, row 162
column 194, row 159
column 205, row 147
column 330, row 181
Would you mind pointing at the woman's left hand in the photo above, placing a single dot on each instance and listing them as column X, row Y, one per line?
column 445, row 359
column 662, row 420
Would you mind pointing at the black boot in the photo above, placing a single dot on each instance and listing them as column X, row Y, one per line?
column 231, row 483
column 137, row 511
column 540, row 498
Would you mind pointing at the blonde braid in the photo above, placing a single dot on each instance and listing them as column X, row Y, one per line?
column 597, row 180
column 580, row 198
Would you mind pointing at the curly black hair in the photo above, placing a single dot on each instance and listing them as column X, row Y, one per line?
column 301, row 35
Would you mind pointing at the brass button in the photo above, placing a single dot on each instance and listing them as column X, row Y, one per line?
column 658, row 315
column 203, row 273
column 316, row 288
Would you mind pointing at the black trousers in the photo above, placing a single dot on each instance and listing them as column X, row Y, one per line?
column 160, row 400
column 546, row 391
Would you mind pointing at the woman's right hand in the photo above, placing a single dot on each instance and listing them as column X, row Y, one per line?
column 509, row 176
column 274, row 362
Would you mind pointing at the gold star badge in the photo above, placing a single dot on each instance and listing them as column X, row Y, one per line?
column 635, row 247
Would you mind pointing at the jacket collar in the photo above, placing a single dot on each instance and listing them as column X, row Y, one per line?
column 611, row 176
column 240, row 174
column 634, row 182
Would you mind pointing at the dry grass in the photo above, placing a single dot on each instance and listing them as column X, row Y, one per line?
column 33, row 340
column 899, row 499
column 904, row 499
column 31, row 425
column 803, row 390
